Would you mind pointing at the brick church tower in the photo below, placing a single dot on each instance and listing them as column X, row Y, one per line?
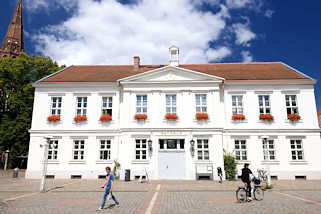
column 13, row 43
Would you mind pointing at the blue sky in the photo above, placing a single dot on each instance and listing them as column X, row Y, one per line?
column 111, row 32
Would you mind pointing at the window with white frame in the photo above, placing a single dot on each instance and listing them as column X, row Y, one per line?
column 291, row 104
column 53, row 150
column 78, row 150
column 240, row 150
column 264, row 104
column 105, row 149
column 141, row 149
column 81, row 105
column 269, row 150
column 171, row 103
column 237, row 104
column 202, row 149
column 297, row 150
column 56, row 105
column 107, row 107
column 141, row 104
column 201, row 104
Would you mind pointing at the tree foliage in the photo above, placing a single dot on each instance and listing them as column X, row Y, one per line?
column 16, row 98
column 230, row 167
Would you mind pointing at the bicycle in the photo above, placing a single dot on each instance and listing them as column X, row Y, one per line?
column 262, row 174
column 242, row 193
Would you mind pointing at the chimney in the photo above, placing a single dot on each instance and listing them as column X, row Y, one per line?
column 136, row 63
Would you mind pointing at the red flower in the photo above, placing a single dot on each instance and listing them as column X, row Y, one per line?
column 268, row 117
column 53, row 118
column 201, row 116
column 80, row 118
column 105, row 118
column 238, row 117
column 294, row 117
column 140, row 116
column 171, row 116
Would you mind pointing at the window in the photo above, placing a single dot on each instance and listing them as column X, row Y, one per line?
column 269, row 150
column 291, row 104
column 296, row 150
column 240, row 150
column 81, row 105
column 202, row 149
column 107, row 107
column 53, row 150
column 141, row 104
column 141, row 149
column 201, row 104
column 104, row 149
column 56, row 105
column 170, row 103
column 237, row 104
column 264, row 104
column 171, row 144
column 78, row 149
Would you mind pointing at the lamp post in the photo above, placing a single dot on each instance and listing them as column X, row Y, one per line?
column 6, row 160
column 45, row 162
column 268, row 179
column 192, row 142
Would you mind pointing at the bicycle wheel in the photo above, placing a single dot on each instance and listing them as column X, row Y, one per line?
column 258, row 193
column 241, row 195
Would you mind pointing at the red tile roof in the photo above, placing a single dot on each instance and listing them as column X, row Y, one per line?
column 268, row 71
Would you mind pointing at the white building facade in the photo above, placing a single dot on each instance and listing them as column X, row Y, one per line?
column 228, row 99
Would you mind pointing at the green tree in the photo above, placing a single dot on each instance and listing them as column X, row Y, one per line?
column 16, row 99
column 230, row 167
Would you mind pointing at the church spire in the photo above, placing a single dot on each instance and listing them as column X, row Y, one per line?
column 13, row 42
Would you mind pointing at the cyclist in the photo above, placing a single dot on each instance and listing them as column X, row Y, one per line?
column 245, row 177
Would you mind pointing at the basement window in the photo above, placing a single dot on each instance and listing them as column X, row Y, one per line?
column 75, row 176
column 274, row 177
column 300, row 177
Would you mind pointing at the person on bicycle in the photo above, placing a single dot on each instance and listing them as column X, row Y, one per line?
column 245, row 177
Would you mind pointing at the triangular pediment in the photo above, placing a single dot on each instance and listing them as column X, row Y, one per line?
column 171, row 74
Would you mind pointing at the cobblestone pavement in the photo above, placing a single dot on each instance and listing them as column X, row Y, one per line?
column 158, row 197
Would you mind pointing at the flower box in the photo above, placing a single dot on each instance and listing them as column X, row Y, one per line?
column 201, row 116
column 80, row 118
column 105, row 118
column 53, row 118
column 140, row 116
column 267, row 117
column 238, row 117
column 294, row 117
column 171, row 116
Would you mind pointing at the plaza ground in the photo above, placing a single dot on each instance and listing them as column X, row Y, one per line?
column 163, row 197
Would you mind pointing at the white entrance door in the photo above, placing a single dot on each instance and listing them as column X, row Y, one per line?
column 171, row 162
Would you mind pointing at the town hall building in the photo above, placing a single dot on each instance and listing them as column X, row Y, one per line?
column 175, row 121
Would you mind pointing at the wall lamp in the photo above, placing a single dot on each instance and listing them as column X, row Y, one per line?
column 192, row 142
column 150, row 147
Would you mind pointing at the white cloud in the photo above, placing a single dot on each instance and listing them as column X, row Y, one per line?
column 247, row 56
column 243, row 34
column 268, row 13
column 108, row 32
column 218, row 54
column 35, row 5
column 237, row 3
